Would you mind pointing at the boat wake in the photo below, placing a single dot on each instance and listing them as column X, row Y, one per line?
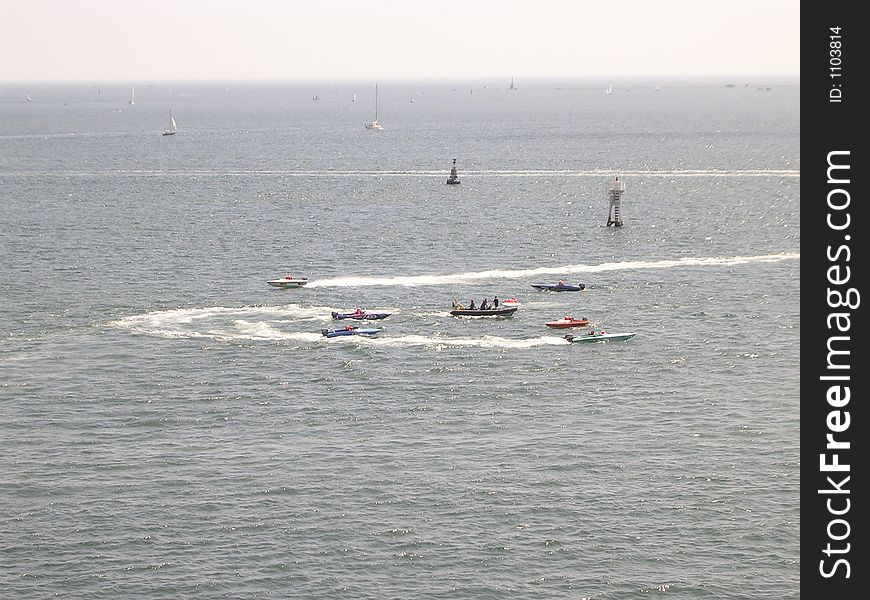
column 282, row 324
column 424, row 280
column 440, row 343
column 265, row 323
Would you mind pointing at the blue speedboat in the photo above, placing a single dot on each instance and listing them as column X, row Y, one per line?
column 559, row 287
column 349, row 330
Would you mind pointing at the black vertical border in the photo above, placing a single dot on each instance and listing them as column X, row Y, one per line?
column 833, row 126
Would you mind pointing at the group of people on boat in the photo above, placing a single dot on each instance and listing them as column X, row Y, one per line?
column 485, row 304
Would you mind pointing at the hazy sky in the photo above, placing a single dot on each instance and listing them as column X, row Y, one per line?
column 381, row 39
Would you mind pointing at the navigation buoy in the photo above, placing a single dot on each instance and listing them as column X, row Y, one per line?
column 454, row 177
column 616, row 189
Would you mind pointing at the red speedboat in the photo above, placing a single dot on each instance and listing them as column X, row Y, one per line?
column 566, row 322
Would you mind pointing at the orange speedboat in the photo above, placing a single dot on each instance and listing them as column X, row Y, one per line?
column 566, row 322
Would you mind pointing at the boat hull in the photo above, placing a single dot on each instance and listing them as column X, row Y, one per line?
column 598, row 337
column 287, row 283
column 330, row 333
column 490, row 312
column 366, row 316
column 555, row 287
column 561, row 324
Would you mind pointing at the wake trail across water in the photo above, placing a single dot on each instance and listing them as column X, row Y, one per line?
column 482, row 342
column 276, row 324
column 424, row 280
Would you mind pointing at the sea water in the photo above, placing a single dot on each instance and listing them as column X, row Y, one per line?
column 173, row 427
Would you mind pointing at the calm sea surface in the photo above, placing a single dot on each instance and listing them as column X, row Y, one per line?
column 173, row 427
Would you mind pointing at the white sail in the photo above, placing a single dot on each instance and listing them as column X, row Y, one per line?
column 132, row 95
column 609, row 89
column 173, row 127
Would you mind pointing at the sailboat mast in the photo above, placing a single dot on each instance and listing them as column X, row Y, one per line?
column 376, row 102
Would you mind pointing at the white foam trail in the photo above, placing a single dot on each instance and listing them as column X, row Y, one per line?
column 485, row 342
column 422, row 280
column 218, row 322
column 262, row 332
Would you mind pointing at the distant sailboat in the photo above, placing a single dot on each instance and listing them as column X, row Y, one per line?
column 172, row 126
column 354, row 98
column 132, row 95
column 609, row 89
column 513, row 87
column 375, row 124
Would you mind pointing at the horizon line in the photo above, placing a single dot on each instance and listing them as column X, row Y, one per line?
column 684, row 76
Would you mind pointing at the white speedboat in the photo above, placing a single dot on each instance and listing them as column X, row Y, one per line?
column 288, row 281
column 597, row 337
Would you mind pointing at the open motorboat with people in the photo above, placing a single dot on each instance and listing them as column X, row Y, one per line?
column 349, row 330
column 566, row 322
column 360, row 315
column 561, row 286
column 505, row 311
column 288, row 281
column 597, row 336
column 485, row 309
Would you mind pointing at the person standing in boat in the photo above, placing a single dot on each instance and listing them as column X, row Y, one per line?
column 484, row 305
column 495, row 303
